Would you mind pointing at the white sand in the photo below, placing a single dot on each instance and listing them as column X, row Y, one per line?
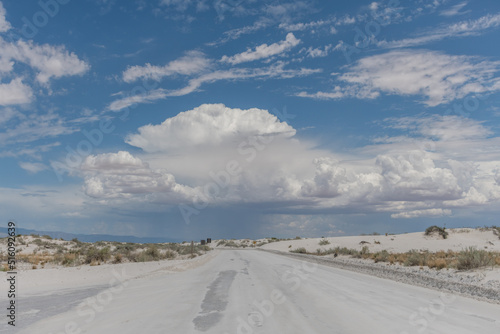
column 43, row 281
column 457, row 240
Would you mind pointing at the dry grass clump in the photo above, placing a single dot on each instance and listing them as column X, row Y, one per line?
column 300, row 250
column 74, row 253
column 470, row 258
column 324, row 242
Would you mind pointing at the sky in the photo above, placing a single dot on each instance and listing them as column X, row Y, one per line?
column 190, row 119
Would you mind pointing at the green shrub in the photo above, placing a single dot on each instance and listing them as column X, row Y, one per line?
column 97, row 255
column 471, row 258
column 414, row 258
column 153, row 253
column 118, row 258
column 440, row 230
column 324, row 242
column 300, row 250
column 382, row 256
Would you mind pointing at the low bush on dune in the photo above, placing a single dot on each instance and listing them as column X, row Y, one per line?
column 467, row 259
column 472, row 258
column 300, row 250
column 436, row 229
column 324, row 242
column 95, row 255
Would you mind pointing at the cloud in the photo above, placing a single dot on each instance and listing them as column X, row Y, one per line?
column 437, row 77
column 236, row 33
column 400, row 175
column 121, row 175
column 275, row 71
column 443, row 128
column 263, row 51
column 34, row 126
column 423, row 213
column 50, row 61
column 183, row 5
column 15, row 92
column 33, row 168
column 208, row 124
column 460, row 29
column 454, row 10
column 45, row 61
column 148, row 97
column 415, row 177
column 193, row 62
column 4, row 24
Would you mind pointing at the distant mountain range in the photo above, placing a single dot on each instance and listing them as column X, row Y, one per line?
column 89, row 237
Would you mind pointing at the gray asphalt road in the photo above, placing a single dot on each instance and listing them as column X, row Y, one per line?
column 249, row 291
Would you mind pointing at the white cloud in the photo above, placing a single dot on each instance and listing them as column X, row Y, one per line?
column 309, row 25
column 454, row 10
column 445, row 128
column 423, row 213
column 121, row 175
column 438, row 77
column 34, row 126
column 4, row 24
column 318, row 52
column 275, row 71
column 399, row 175
column 33, row 168
column 50, row 61
column 263, row 51
column 148, row 97
column 45, row 61
column 208, row 124
column 415, row 177
column 15, row 92
column 193, row 62
column 460, row 29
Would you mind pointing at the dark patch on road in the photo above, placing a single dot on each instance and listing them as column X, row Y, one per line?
column 215, row 301
column 34, row 308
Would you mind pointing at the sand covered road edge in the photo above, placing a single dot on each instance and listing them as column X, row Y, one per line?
column 400, row 274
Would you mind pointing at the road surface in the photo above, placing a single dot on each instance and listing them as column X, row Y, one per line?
column 251, row 291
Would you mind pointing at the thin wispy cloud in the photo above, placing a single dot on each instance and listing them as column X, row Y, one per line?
column 460, row 29
column 454, row 10
column 263, row 51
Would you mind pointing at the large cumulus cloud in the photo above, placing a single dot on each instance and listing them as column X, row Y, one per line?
column 220, row 155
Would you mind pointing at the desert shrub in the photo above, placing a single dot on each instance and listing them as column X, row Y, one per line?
column 47, row 237
column 365, row 250
column 471, row 258
column 37, row 241
column 97, row 255
column 221, row 243
column 300, row 250
column 324, row 242
column 68, row 259
column 232, row 244
column 414, row 258
column 382, row 256
column 154, row 253
column 438, row 263
column 496, row 231
column 436, row 229
column 118, row 258
column 169, row 254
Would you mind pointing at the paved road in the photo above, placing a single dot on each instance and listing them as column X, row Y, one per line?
column 249, row 291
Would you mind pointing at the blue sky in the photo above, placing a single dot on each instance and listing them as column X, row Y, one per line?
column 245, row 118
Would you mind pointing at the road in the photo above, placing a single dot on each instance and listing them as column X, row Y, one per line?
column 250, row 291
